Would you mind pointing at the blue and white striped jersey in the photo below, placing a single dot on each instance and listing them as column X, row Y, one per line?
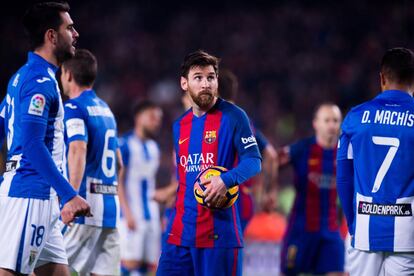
column 32, row 96
column 141, row 160
column 379, row 136
column 89, row 119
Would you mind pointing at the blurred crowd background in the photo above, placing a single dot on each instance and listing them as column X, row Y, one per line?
column 288, row 55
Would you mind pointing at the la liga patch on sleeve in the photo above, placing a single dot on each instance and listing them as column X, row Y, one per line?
column 37, row 105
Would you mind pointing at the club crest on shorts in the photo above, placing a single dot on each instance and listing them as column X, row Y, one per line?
column 210, row 136
column 32, row 257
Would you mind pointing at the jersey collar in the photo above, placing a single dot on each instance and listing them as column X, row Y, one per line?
column 395, row 95
column 36, row 59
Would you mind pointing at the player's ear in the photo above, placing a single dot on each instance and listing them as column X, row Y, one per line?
column 184, row 84
column 383, row 80
column 51, row 36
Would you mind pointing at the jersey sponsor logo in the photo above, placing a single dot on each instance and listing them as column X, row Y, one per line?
column 322, row 180
column 37, row 105
column 395, row 210
column 71, row 106
column 197, row 162
column 249, row 141
column 97, row 188
column 74, row 127
column 44, row 79
column 181, row 141
column 210, row 136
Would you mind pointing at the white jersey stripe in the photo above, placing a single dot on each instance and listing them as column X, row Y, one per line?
column 403, row 239
column 362, row 225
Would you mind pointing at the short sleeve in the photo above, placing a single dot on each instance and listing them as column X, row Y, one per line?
column 75, row 123
column 36, row 99
column 123, row 147
column 244, row 139
column 345, row 150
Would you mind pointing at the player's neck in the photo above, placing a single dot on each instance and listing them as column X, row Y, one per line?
column 396, row 86
column 326, row 143
column 201, row 111
column 47, row 55
column 76, row 91
column 139, row 132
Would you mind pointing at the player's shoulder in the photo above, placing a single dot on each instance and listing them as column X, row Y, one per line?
column 304, row 142
column 38, row 79
column 74, row 106
column 231, row 110
column 126, row 136
column 177, row 121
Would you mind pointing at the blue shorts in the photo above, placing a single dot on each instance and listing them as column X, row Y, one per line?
column 188, row 261
column 316, row 253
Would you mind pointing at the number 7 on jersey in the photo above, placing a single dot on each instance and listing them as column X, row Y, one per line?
column 393, row 143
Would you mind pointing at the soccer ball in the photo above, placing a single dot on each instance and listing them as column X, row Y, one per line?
column 231, row 195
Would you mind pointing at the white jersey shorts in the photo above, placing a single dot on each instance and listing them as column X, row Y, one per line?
column 379, row 263
column 93, row 249
column 29, row 233
column 143, row 243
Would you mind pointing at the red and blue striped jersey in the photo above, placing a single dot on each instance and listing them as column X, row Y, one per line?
column 315, row 207
column 215, row 138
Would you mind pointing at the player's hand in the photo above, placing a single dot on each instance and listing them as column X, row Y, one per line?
column 77, row 206
column 269, row 201
column 160, row 196
column 131, row 223
column 215, row 192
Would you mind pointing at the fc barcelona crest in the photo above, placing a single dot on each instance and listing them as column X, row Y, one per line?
column 210, row 136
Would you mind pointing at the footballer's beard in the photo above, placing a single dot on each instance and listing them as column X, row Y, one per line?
column 63, row 50
column 204, row 99
column 149, row 133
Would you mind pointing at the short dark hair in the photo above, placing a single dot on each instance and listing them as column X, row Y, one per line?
column 41, row 17
column 198, row 58
column 397, row 65
column 83, row 66
column 228, row 85
column 141, row 106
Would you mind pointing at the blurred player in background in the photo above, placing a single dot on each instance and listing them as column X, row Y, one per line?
column 201, row 241
column 140, row 225
column 32, row 119
column 92, row 243
column 228, row 88
column 375, row 175
column 312, row 243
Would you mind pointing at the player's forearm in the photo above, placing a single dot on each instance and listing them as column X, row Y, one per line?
column 76, row 163
column 270, row 168
column 39, row 157
column 345, row 187
column 246, row 169
column 123, row 202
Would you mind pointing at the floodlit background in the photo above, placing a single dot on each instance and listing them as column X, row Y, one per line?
column 288, row 55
